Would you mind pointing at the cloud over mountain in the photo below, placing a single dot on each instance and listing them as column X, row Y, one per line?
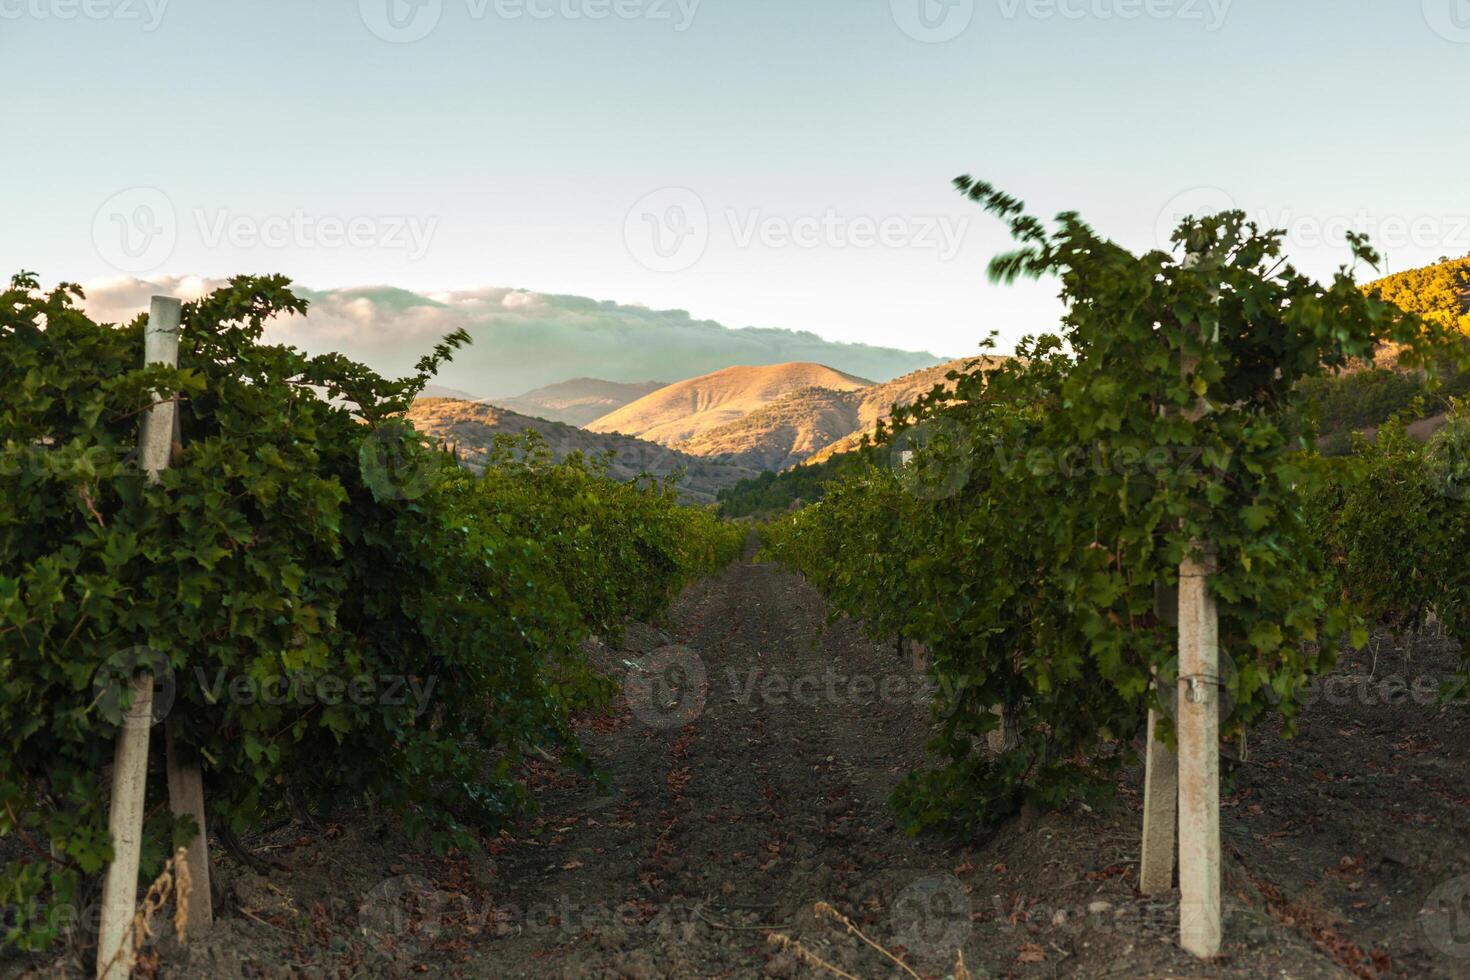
column 524, row 340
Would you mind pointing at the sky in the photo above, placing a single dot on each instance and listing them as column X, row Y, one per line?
column 770, row 163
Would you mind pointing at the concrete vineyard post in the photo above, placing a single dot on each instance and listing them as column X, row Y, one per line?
column 1197, row 718
column 1185, row 786
column 125, row 826
column 130, row 759
column 1199, row 760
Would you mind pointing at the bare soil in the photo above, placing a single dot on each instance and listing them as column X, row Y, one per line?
column 734, row 805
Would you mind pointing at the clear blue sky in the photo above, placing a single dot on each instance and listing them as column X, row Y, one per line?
column 517, row 139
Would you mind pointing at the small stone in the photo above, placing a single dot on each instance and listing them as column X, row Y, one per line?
column 1097, row 908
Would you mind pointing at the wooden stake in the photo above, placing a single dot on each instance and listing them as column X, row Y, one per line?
column 130, row 759
column 1160, row 781
column 1160, row 796
column 186, row 798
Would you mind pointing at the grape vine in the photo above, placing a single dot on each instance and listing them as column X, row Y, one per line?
column 1030, row 521
column 340, row 611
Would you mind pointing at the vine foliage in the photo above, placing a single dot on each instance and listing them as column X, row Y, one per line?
column 1025, row 527
column 339, row 612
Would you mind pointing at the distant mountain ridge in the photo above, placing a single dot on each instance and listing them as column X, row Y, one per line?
column 521, row 339
column 688, row 409
column 741, row 416
column 471, row 427
column 743, row 420
column 578, row 401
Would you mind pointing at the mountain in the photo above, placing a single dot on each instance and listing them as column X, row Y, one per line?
column 813, row 424
column 522, row 339
column 690, row 408
column 471, row 427
column 578, row 401
column 439, row 391
column 1364, row 394
column 783, row 433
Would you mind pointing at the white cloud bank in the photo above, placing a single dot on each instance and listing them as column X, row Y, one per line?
column 522, row 340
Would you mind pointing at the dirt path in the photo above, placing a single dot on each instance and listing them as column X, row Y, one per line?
column 770, row 794
column 731, row 807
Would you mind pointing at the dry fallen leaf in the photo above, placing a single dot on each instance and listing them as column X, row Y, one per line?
column 1031, row 953
column 571, row 866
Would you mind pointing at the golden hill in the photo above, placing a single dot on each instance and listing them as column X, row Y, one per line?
column 691, row 408
column 783, row 433
column 471, row 427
